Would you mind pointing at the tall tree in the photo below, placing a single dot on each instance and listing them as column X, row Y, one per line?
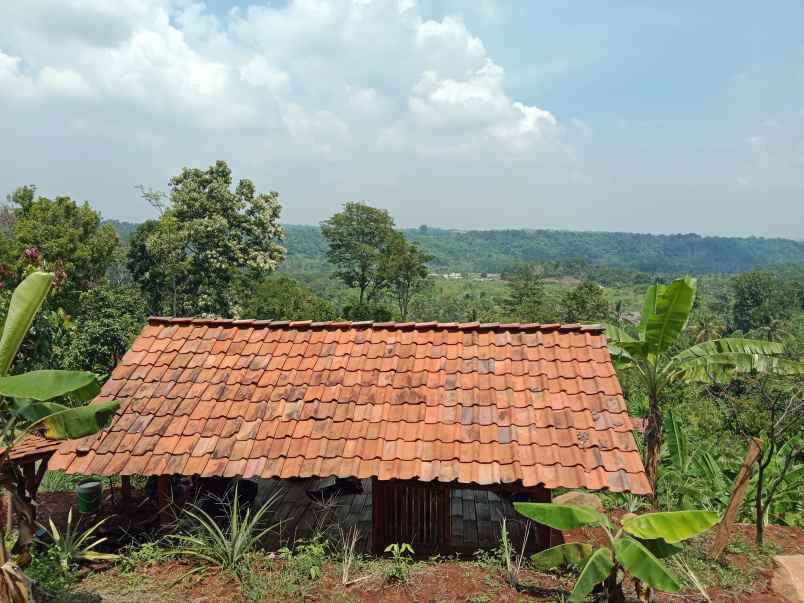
column 585, row 303
column 206, row 238
column 759, row 299
column 665, row 313
column 358, row 238
column 403, row 268
column 525, row 300
column 61, row 235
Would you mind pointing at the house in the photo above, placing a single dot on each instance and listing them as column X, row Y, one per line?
column 422, row 412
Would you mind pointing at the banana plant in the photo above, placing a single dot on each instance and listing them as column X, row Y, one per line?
column 665, row 313
column 636, row 546
column 48, row 402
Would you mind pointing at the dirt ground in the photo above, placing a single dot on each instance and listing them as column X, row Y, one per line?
column 744, row 574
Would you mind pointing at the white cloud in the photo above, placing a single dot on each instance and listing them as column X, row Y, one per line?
column 275, row 86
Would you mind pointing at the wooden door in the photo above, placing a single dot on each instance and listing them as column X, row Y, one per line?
column 412, row 512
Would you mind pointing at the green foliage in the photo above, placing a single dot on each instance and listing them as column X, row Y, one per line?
column 143, row 555
column 226, row 547
column 586, row 303
column 282, row 297
column 46, row 569
column 760, row 298
column 401, row 558
column 672, row 527
column 62, row 235
column 653, row 537
column 74, row 544
column 358, row 239
column 110, row 319
column 207, row 236
column 572, row 554
column 561, row 517
column 25, row 303
column 403, row 270
column 598, row 255
column 305, row 560
column 526, row 300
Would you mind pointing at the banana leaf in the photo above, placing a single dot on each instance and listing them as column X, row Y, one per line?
column 659, row 548
column 25, row 303
column 672, row 309
column 49, row 384
column 597, row 569
column 571, row 553
column 677, row 443
column 62, row 422
column 641, row 563
column 560, row 517
column 649, row 307
column 723, row 366
column 672, row 526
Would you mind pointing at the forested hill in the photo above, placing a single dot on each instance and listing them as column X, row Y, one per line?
column 499, row 250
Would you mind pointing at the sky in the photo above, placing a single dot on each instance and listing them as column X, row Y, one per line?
column 628, row 116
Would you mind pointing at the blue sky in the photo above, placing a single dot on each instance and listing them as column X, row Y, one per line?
column 634, row 116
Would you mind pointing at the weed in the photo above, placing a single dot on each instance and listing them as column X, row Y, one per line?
column 46, row 569
column 349, row 540
column 303, row 564
column 479, row 598
column 513, row 561
column 145, row 554
column 399, row 570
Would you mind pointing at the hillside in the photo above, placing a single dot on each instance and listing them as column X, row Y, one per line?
column 500, row 250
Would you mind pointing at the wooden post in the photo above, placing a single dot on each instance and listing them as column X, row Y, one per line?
column 164, row 501
column 125, row 490
column 737, row 495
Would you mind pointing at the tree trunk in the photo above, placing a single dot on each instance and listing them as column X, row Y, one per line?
column 760, row 510
column 653, row 446
column 613, row 589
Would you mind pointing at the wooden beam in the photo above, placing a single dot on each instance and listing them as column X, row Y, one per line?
column 737, row 495
column 164, row 501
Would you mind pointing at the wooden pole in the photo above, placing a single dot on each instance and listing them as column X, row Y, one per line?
column 737, row 495
column 125, row 490
column 164, row 501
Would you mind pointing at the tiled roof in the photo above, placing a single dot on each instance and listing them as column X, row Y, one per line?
column 33, row 447
column 476, row 403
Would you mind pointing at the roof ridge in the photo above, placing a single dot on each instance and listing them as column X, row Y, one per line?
column 416, row 326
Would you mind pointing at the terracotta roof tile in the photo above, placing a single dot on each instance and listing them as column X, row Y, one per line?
column 478, row 403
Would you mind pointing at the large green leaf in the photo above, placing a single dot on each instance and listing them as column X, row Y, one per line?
column 659, row 548
column 672, row 526
column 571, row 553
column 49, row 384
column 641, row 563
column 25, row 303
column 724, row 366
column 731, row 344
column 649, row 307
column 597, row 569
column 676, row 439
column 560, row 517
column 672, row 311
column 62, row 422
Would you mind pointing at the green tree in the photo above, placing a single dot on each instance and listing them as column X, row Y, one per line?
column 58, row 233
column 658, row 363
column 284, row 298
column 585, row 303
column 111, row 317
column 760, row 298
column 526, row 301
column 358, row 239
column 403, row 268
column 207, row 237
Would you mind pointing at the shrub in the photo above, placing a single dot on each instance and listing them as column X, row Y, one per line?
column 401, row 557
